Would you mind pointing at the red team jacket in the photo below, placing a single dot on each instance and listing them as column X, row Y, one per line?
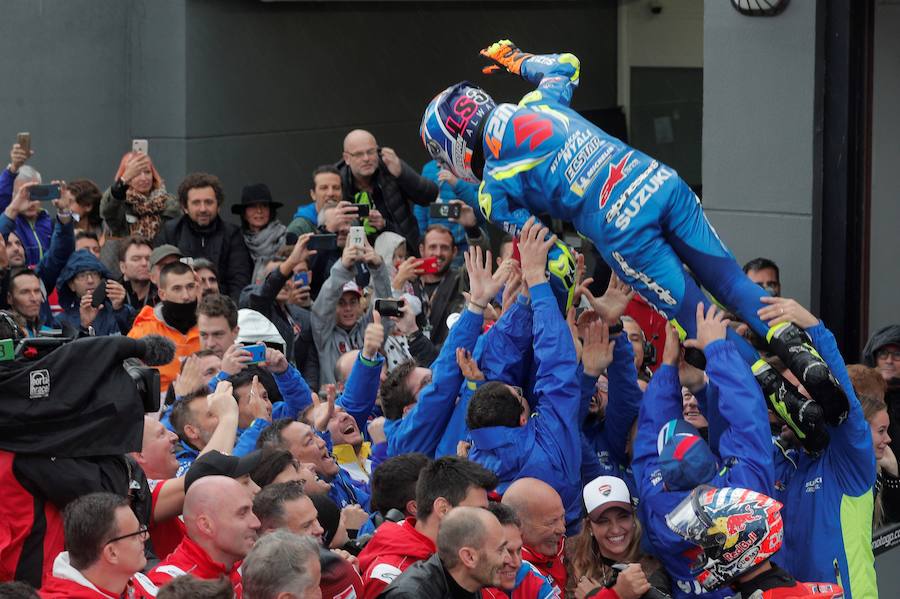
column 393, row 549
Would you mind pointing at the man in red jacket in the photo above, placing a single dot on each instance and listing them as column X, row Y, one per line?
column 221, row 530
column 444, row 484
column 104, row 549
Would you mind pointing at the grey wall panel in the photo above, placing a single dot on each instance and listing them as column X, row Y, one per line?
column 758, row 109
column 784, row 238
column 63, row 80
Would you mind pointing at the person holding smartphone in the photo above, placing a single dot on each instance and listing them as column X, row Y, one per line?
column 137, row 202
column 92, row 301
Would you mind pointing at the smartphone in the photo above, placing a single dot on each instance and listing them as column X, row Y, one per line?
column 98, row 297
column 357, row 237
column 24, row 141
column 389, row 307
column 429, row 265
column 44, row 193
column 323, row 241
column 139, row 145
column 290, row 238
column 302, row 278
column 257, row 353
column 363, row 210
column 444, row 210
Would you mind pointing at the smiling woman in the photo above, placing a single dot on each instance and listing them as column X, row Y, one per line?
column 611, row 535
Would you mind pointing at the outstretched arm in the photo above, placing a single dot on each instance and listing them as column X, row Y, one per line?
column 555, row 75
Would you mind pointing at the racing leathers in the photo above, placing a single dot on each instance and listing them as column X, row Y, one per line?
column 542, row 157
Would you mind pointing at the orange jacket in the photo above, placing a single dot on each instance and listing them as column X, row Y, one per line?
column 148, row 322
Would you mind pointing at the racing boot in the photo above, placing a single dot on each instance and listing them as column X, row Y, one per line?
column 802, row 415
column 793, row 346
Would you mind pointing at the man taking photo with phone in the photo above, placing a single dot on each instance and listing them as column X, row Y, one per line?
column 92, row 302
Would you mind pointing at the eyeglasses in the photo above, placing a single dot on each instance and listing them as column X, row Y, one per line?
column 363, row 153
column 87, row 274
column 884, row 354
column 143, row 532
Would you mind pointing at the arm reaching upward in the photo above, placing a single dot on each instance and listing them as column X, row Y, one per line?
column 555, row 75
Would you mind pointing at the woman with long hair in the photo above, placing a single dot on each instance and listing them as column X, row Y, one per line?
column 137, row 203
column 611, row 536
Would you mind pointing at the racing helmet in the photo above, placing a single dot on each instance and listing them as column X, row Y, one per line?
column 735, row 530
column 451, row 124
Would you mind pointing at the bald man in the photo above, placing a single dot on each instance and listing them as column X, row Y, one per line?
column 543, row 526
column 221, row 529
column 378, row 178
column 472, row 549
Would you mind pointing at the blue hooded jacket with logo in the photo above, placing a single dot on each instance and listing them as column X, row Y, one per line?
column 108, row 321
column 828, row 500
column 548, row 447
column 744, row 451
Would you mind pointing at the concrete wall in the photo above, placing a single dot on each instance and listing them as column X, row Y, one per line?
column 255, row 91
column 884, row 266
column 758, row 136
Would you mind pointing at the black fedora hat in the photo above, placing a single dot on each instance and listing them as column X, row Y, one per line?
column 258, row 193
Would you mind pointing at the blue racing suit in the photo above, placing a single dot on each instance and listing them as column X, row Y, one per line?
column 542, row 157
column 828, row 500
column 745, row 454
column 548, row 447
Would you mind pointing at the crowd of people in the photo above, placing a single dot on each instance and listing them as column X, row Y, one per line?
column 365, row 402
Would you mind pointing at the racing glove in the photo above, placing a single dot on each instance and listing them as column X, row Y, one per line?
column 507, row 54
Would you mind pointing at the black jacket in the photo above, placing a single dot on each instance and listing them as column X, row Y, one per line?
column 427, row 578
column 221, row 243
column 392, row 198
column 446, row 299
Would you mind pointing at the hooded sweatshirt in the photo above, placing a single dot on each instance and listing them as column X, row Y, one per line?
column 107, row 321
column 68, row 583
column 150, row 321
column 393, row 549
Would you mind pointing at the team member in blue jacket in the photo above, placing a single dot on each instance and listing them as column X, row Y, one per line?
column 547, row 446
column 418, row 402
column 828, row 497
column 541, row 157
column 669, row 461
column 82, row 275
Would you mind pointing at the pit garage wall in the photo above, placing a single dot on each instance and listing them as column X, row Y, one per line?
column 758, row 136
column 263, row 91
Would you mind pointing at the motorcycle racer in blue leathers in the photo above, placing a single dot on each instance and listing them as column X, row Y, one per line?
column 541, row 157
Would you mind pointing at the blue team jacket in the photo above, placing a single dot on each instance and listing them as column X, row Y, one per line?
column 744, row 451
column 828, row 500
column 422, row 427
column 548, row 447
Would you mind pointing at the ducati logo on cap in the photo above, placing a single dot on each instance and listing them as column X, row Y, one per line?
column 605, row 490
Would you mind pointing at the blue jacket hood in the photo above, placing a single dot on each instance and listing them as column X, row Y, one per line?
column 80, row 261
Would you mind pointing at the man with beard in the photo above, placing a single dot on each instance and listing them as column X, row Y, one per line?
column 175, row 317
column 201, row 232
column 442, row 290
column 472, row 550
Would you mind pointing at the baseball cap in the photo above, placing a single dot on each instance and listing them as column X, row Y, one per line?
column 162, row 251
column 685, row 459
column 215, row 463
column 339, row 579
column 606, row 492
column 351, row 287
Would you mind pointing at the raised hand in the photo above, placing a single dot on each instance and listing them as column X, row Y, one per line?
column 17, row 157
column 483, row 286
column 116, row 294
column 408, row 270
column 468, row 366
column 467, row 216
column 276, row 362
column 374, row 336
column 391, row 161
column 507, row 55
column 86, row 311
column 612, row 304
column 235, row 359
column 785, row 309
column 259, row 407
column 597, row 354
column 710, row 327
column 190, row 378
column 534, row 244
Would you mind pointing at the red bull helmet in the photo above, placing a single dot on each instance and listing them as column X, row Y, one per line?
column 735, row 530
column 451, row 124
